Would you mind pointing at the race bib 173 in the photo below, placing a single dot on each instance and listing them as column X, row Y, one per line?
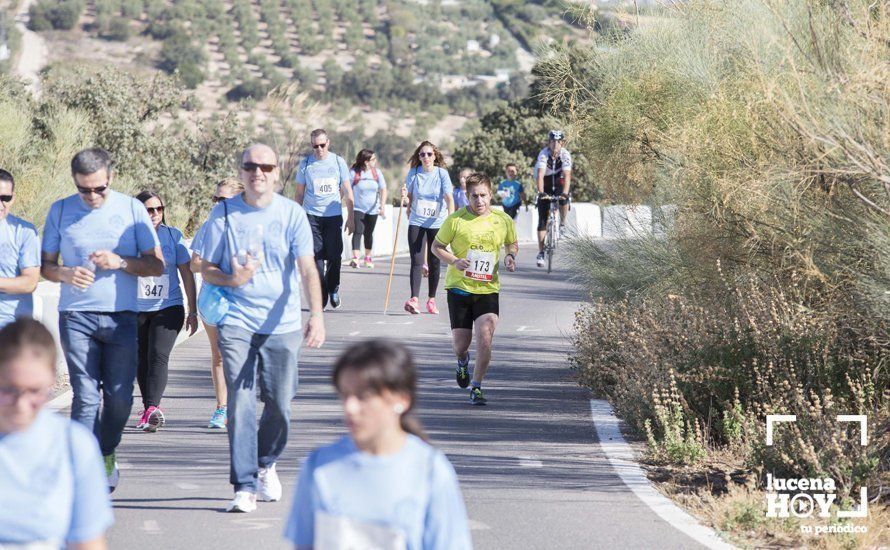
column 481, row 266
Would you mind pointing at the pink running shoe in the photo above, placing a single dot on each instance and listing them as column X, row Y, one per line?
column 431, row 306
column 154, row 419
column 369, row 263
column 143, row 420
column 412, row 306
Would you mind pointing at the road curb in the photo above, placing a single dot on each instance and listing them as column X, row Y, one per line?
column 624, row 463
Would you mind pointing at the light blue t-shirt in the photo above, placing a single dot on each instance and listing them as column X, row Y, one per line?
column 513, row 188
column 366, row 192
column 270, row 302
column 19, row 249
column 75, row 230
column 460, row 198
column 153, row 289
column 322, row 179
column 414, row 491
column 428, row 191
column 52, row 483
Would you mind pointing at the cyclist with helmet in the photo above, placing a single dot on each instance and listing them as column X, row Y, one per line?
column 553, row 171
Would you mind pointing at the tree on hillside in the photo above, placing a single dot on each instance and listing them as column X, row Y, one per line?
column 516, row 133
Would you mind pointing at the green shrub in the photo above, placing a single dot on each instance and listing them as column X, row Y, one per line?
column 119, row 29
column 52, row 14
column 180, row 54
column 249, row 89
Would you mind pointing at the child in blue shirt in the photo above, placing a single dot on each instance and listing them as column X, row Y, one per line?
column 510, row 191
column 383, row 484
column 52, row 479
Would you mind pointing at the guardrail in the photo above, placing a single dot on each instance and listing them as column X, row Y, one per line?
column 584, row 219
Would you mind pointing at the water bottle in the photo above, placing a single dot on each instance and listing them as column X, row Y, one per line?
column 255, row 243
column 86, row 263
column 213, row 303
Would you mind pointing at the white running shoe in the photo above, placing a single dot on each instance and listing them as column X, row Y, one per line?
column 268, row 485
column 244, row 501
column 540, row 259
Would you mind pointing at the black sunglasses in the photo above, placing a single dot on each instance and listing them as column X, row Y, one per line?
column 422, row 155
column 5, row 198
column 153, row 209
column 252, row 167
column 319, row 145
column 91, row 190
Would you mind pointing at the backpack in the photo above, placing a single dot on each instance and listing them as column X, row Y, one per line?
column 358, row 176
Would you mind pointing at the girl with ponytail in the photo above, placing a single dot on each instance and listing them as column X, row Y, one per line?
column 383, row 483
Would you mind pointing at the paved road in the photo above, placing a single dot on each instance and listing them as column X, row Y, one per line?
column 531, row 471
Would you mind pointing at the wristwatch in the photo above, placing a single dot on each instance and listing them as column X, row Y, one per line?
column 123, row 264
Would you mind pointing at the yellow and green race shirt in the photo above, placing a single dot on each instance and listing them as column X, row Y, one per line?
column 478, row 239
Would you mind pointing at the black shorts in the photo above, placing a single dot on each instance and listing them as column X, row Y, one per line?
column 544, row 208
column 512, row 210
column 464, row 310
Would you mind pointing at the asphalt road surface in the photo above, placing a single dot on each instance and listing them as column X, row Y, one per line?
column 531, row 471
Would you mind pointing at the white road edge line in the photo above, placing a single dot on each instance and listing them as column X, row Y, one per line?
column 621, row 457
column 63, row 400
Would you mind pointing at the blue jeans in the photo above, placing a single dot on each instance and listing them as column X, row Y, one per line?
column 101, row 351
column 272, row 360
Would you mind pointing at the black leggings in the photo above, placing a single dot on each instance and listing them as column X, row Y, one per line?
column 416, row 236
column 364, row 226
column 157, row 334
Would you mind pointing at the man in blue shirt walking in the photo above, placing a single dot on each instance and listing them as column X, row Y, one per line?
column 253, row 244
column 106, row 242
column 323, row 189
column 19, row 257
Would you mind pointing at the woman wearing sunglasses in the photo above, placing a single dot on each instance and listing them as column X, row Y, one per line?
column 428, row 190
column 161, row 313
column 225, row 189
column 53, row 488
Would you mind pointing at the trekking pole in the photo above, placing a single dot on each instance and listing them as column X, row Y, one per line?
column 392, row 262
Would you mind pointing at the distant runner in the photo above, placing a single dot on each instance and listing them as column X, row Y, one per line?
column 369, row 190
column 324, row 191
column 428, row 189
column 475, row 234
column 553, row 173
column 510, row 191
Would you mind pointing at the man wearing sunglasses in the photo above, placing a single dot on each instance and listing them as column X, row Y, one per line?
column 323, row 189
column 252, row 246
column 19, row 257
column 106, row 241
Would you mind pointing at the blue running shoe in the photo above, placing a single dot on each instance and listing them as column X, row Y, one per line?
column 218, row 420
column 476, row 396
column 463, row 372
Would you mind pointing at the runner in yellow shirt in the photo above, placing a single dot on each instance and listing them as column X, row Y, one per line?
column 475, row 234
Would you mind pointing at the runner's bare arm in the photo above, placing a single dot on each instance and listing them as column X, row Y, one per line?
column 299, row 192
column 52, row 271
column 349, row 203
column 510, row 257
column 314, row 334
column 195, row 263
column 21, row 284
column 441, row 251
column 150, row 263
column 568, row 181
column 449, row 201
column 188, row 284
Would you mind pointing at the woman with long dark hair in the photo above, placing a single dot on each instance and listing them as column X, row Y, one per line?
column 369, row 192
column 161, row 313
column 52, row 481
column 382, row 484
column 428, row 190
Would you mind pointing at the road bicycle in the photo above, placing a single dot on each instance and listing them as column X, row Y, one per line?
column 551, row 239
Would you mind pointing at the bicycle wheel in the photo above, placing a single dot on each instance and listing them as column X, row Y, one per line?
column 550, row 245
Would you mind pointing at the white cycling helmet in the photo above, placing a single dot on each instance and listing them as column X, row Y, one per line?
column 556, row 135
